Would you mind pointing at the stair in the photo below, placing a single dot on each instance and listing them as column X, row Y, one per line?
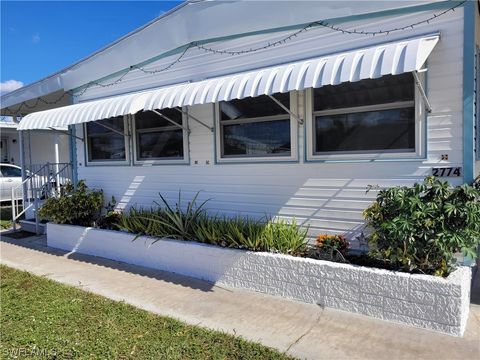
column 29, row 225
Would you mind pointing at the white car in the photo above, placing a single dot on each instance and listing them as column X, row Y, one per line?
column 10, row 177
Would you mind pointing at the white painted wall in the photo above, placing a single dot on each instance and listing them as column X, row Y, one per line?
column 41, row 148
column 329, row 197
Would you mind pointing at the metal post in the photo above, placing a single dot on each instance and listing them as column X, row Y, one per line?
column 419, row 85
column 37, row 227
column 23, row 166
column 57, row 161
column 14, row 215
column 49, row 184
column 295, row 116
column 73, row 154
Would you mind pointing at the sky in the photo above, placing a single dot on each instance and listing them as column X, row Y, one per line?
column 39, row 38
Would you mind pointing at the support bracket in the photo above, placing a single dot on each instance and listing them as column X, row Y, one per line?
column 111, row 129
column 171, row 121
column 295, row 116
column 419, row 85
column 195, row 119
column 66, row 133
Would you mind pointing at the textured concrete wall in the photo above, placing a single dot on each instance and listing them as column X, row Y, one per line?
column 418, row 300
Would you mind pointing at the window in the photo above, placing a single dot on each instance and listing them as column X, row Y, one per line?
column 158, row 139
column 373, row 117
column 255, row 127
column 10, row 171
column 105, row 141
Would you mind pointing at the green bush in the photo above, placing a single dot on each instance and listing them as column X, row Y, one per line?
column 194, row 223
column 79, row 206
column 420, row 228
column 109, row 220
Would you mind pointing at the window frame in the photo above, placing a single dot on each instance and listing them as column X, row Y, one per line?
column 420, row 129
column 185, row 160
column 107, row 162
column 293, row 157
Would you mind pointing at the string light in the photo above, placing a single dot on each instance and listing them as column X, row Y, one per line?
column 168, row 67
column 383, row 32
column 281, row 41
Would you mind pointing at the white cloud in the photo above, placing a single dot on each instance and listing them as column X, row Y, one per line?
column 10, row 85
column 36, row 38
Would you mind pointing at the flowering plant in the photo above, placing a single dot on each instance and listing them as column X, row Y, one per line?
column 328, row 242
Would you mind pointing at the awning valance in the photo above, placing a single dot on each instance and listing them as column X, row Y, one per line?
column 385, row 59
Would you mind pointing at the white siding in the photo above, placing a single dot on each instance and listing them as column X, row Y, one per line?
column 39, row 147
column 330, row 197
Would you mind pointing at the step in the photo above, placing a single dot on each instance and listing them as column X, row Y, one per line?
column 29, row 225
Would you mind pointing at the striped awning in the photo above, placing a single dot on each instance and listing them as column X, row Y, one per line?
column 391, row 58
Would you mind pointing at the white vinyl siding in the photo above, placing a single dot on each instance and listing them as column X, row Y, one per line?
column 327, row 196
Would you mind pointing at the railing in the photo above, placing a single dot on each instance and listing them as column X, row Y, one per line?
column 41, row 183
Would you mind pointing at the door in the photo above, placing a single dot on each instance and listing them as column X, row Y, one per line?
column 11, row 178
column 4, row 150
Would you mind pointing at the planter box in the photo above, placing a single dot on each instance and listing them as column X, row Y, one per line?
column 418, row 300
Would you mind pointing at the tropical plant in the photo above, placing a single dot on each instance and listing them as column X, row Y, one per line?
column 193, row 223
column 76, row 205
column 167, row 221
column 420, row 228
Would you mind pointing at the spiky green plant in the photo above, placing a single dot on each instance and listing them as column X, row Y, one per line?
column 193, row 223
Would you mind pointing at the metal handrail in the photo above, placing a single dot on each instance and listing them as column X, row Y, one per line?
column 40, row 184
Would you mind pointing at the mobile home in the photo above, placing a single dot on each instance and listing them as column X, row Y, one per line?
column 276, row 108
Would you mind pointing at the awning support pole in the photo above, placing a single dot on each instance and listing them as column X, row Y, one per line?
column 195, row 119
column 66, row 133
column 171, row 121
column 419, row 85
column 111, row 129
column 295, row 116
column 23, row 165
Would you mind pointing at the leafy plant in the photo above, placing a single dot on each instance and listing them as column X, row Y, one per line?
column 194, row 223
column 111, row 218
column 76, row 206
column 167, row 221
column 420, row 228
column 332, row 243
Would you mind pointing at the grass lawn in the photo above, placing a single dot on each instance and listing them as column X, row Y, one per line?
column 40, row 316
column 5, row 224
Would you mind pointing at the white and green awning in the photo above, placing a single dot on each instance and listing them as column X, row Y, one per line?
column 390, row 58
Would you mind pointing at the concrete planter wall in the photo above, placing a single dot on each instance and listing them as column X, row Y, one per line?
column 418, row 300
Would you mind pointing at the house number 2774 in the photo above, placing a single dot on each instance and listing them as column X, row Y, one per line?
column 447, row 171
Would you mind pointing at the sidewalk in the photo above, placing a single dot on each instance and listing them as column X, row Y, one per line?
column 301, row 330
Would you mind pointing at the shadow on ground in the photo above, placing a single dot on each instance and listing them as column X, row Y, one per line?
column 39, row 243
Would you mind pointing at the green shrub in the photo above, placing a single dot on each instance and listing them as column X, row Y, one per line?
column 79, row 206
column 420, row 228
column 110, row 219
column 194, row 223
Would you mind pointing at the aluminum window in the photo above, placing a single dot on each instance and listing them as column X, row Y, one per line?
column 105, row 142
column 159, row 140
column 369, row 119
column 256, row 128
